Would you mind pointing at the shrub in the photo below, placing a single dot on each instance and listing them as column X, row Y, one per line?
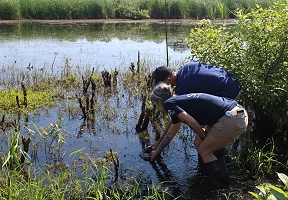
column 255, row 51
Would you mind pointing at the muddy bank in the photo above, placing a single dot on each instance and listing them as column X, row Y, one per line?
column 107, row 21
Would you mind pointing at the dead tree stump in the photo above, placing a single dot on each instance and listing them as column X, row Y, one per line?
column 106, row 76
column 26, row 145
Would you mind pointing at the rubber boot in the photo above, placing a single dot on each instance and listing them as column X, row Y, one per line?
column 218, row 173
column 218, row 154
column 201, row 167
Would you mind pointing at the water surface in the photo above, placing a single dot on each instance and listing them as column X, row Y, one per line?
column 97, row 45
column 103, row 47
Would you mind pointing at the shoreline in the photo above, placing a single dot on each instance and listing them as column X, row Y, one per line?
column 113, row 21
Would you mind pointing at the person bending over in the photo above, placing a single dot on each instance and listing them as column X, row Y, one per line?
column 224, row 118
column 196, row 77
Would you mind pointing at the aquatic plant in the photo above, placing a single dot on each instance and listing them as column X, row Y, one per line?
column 36, row 99
column 270, row 191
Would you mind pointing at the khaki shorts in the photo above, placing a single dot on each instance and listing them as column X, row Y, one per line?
column 233, row 126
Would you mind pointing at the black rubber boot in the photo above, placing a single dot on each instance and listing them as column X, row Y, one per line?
column 201, row 166
column 218, row 173
column 218, row 154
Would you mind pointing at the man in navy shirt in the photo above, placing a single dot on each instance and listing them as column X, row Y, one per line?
column 197, row 77
column 225, row 121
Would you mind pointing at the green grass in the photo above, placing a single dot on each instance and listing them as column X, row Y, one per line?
column 137, row 9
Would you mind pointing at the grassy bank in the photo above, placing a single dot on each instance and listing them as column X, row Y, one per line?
column 124, row 9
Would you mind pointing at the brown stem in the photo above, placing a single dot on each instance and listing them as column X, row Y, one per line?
column 26, row 144
column 82, row 107
column 24, row 94
column 116, row 166
column 138, row 62
column 17, row 101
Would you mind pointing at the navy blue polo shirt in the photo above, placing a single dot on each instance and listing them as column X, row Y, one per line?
column 206, row 109
column 195, row 77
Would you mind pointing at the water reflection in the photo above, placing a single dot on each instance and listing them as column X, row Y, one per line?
column 117, row 113
column 104, row 46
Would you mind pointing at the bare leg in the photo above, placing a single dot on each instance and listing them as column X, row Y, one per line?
column 209, row 145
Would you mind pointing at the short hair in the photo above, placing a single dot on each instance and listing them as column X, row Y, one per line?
column 161, row 73
column 161, row 91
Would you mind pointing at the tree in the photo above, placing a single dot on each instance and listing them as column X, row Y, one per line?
column 255, row 51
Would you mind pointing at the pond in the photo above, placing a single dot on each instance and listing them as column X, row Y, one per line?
column 103, row 46
column 91, row 45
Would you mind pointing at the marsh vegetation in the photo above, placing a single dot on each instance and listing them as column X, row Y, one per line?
column 125, row 9
column 78, row 132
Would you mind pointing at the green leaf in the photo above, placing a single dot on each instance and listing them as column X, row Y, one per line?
column 283, row 178
column 77, row 151
column 255, row 195
column 278, row 193
column 261, row 188
column 271, row 197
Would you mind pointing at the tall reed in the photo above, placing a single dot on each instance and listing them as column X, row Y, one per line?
column 137, row 9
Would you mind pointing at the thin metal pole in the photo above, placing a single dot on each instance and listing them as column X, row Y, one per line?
column 166, row 32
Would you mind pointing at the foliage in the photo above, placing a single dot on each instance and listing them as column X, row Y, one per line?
column 126, row 12
column 260, row 160
column 9, row 9
column 137, row 9
column 269, row 191
column 255, row 51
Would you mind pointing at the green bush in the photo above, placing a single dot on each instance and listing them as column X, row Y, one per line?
column 9, row 10
column 175, row 10
column 255, row 51
column 126, row 12
column 158, row 10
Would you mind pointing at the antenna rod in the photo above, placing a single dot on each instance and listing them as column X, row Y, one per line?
column 166, row 32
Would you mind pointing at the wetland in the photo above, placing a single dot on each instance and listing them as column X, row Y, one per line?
column 69, row 62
